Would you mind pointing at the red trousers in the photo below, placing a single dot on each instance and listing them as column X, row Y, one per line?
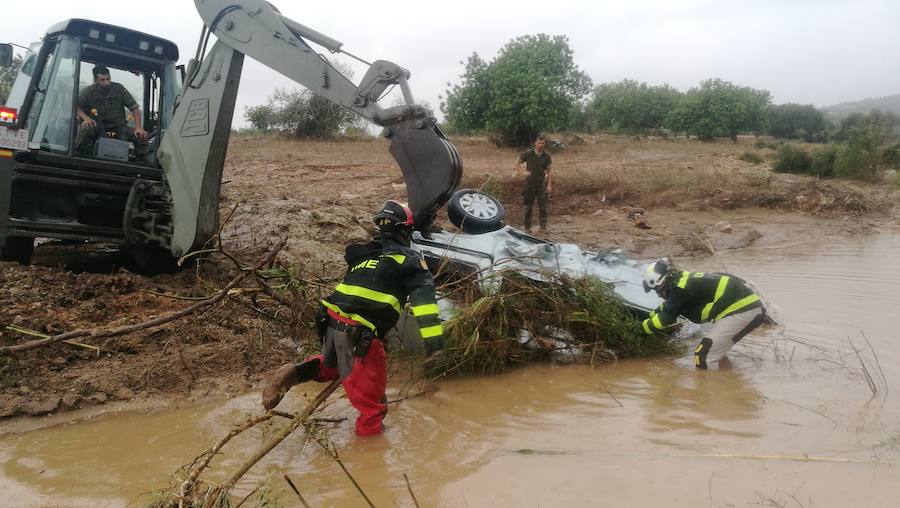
column 364, row 386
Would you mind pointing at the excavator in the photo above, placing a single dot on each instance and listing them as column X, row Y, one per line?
column 167, row 205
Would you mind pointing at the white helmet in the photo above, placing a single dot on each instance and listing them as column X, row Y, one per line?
column 656, row 274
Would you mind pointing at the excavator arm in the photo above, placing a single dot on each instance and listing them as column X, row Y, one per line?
column 192, row 151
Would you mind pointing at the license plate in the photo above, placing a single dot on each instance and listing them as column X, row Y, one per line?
column 13, row 139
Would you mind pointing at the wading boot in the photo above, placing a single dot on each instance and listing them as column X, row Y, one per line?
column 285, row 377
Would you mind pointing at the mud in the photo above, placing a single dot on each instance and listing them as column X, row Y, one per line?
column 697, row 199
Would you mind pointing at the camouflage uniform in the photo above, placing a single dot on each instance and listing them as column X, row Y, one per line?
column 107, row 108
column 536, row 184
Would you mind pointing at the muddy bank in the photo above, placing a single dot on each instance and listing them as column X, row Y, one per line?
column 693, row 198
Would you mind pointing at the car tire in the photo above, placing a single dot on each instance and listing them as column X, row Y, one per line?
column 475, row 212
column 152, row 260
column 18, row 248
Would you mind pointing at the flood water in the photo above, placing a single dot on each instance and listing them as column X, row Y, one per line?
column 791, row 422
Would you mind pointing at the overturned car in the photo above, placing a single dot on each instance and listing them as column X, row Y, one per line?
column 487, row 247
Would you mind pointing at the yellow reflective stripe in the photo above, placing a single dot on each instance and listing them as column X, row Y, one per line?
column 682, row 282
column 720, row 290
column 368, row 294
column 399, row 258
column 432, row 331
column 355, row 317
column 425, row 310
column 646, row 325
column 657, row 322
column 738, row 305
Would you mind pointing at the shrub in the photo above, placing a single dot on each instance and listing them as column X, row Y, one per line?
column 751, row 157
column 891, row 156
column 859, row 160
column 790, row 159
column 823, row 161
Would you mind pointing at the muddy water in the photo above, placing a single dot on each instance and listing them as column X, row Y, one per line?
column 790, row 422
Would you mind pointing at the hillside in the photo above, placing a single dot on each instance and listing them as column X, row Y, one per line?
column 837, row 112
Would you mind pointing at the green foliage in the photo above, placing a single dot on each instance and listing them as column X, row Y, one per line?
column 751, row 157
column 533, row 85
column 860, row 158
column 880, row 125
column 891, row 156
column 8, row 77
column 822, row 163
column 630, row 107
column 720, row 109
column 796, row 121
column 301, row 114
column 791, row 159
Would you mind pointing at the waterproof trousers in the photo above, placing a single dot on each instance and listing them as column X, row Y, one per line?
column 725, row 333
column 364, row 386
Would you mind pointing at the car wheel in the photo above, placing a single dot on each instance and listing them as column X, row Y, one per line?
column 475, row 212
column 152, row 260
column 18, row 248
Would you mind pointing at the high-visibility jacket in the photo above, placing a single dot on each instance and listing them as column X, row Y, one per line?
column 380, row 276
column 701, row 297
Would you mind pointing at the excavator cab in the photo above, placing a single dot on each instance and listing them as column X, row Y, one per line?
column 50, row 188
column 167, row 205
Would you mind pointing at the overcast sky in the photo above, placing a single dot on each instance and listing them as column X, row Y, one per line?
column 813, row 52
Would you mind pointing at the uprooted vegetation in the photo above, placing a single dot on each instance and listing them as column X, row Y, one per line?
column 523, row 320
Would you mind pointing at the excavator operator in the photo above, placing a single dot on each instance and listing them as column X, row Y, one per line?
column 101, row 108
column 380, row 276
column 726, row 300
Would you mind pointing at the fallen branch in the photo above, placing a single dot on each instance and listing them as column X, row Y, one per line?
column 124, row 330
column 334, row 454
column 411, row 493
column 279, row 437
column 296, row 491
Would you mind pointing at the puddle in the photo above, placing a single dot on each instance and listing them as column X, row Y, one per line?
column 792, row 421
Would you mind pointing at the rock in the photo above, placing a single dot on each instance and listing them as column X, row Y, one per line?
column 723, row 227
column 347, row 196
column 42, row 406
column 98, row 398
column 10, row 405
column 24, row 390
column 639, row 221
column 630, row 211
column 124, row 394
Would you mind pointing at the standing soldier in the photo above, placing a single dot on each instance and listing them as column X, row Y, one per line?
column 362, row 309
column 101, row 108
column 538, row 184
column 726, row 300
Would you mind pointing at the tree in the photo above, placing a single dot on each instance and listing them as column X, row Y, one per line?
column 630, row 106
column 796, row 121
column 302, row 114
column 531, row 86
column 720, row 109
column 876, row 123
column 8, row 77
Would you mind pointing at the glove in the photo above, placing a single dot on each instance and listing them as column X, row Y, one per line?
column 321, row 321
column 433, row 345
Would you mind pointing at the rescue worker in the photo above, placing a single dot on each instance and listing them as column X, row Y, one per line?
column 727, row 301
column 362, row 309
column 101, row 108
column 538, row 184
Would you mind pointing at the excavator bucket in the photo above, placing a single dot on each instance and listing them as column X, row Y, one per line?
column 430, row 164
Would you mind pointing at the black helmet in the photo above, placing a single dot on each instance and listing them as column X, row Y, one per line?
column 393, row 216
